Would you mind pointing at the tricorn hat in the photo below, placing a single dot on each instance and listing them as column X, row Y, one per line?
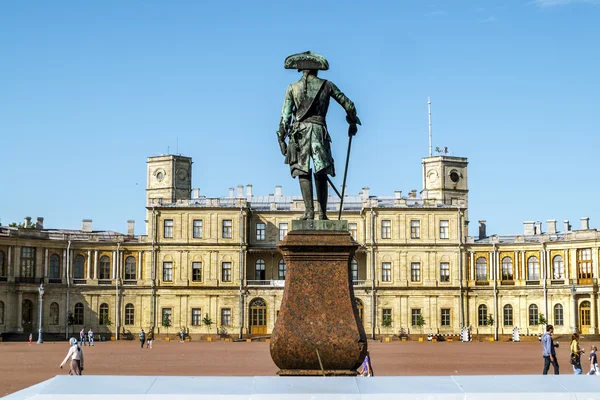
column 306, row 60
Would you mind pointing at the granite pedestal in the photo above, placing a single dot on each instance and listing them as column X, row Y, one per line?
column 318, row 330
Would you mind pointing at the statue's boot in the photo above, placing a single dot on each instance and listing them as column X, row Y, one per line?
column 322, row 194
column 306, row 188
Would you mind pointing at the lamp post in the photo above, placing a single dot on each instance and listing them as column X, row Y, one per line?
column 41, row 290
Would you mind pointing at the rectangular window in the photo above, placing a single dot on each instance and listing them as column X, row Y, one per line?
column 168, row 271
column 558, row 315
column 196, row 316
column 225, row 316
column 283, row 230
column 415, row 272
column 196, row 271
column 444, row 226
column 386, row 229
column 444, row 272
column 168, row 228
column 386, row 317
column 386, row 272
column 508, row 315
column 166, row 316
column 584, row 265
column 261, row 231
column 415, row 229
column 27, row 262
column 415, row 314
column 129, row 314
column 353, row 229
column 226, row 272
column 227, row 229
column 445, row 317
column 197, row 229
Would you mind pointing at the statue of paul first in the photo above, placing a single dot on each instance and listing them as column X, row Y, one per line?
column 303, row 124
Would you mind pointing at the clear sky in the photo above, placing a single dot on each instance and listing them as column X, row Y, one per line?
column 89, row 90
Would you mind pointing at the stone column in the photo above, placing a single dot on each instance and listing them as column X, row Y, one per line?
column 9, row 263
column 17, row 264
column 39, row 263
column 114, row 265
column 96, row 264
column 64, row 264
column 46, row 261
column 139, row 266
column 89, row 265
column 19, row 311
column 471, row 266
column 567, row 267
column 523, row 267
column 516, row 266
column 593, row 327
column 492, row 266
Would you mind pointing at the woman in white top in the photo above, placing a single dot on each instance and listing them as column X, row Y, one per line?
column 76, row 355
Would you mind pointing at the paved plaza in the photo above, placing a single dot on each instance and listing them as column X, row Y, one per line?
column 24, row 365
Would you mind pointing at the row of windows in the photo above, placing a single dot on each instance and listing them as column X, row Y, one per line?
column 197, row 320
column 259, row 270
column 584, row 267
column 197, row 229
column 415, row 272
column 415, row 229
column 103, row 314
column 483, row 318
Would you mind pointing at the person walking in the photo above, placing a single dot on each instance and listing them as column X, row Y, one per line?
column 549, row 351
column 594, row 362
column 576, row 353
column 75, row 354
column 366, row 369
column 91, row 337
column 82, row 337
column 181, row 335
column 142, row 338
column 150, row 336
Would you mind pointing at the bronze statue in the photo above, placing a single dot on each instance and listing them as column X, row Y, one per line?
column 303, row 123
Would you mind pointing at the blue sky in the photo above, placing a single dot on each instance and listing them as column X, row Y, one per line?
column 90, row 89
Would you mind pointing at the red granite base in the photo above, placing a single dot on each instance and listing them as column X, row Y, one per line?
column 318, row 312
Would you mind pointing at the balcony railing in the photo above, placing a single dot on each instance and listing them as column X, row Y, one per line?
column 55, row 280
column 23, row 279
column 105, row 282
column 358, row 283
column 3, row 278
column 267, row 283
column 532, row 283
column 79, row 281
column 130, row 282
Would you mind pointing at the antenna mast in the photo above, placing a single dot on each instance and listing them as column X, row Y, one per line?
column 429, row 110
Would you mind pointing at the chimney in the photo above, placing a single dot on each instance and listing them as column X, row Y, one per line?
column 538, row 228
column 585, row 223
column 365, row 193
column 240, row 191
column 397, row 194
column 413, row 194
column 86, row 225
column 130, row 227
column 195, row 193
column 248, row 190
column 27, row 222
column 39, row 223
column 231, row 192
column 551, row 226
column 567, row 226
column 278, row 191
column 482, row 230
column 528, row 228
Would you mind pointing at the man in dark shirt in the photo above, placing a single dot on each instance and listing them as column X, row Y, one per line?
column 549, row 351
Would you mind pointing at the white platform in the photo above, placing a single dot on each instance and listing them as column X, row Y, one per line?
column 512, row 387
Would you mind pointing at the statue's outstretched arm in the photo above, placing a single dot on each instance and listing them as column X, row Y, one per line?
column 348, row 105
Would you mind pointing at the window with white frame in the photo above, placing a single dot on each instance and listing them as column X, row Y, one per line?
column 507, row 269
column 196, row 317
column 386, row 229
column 415, row 272
column 445, row 317
column 386, row 272
column 533, row 269
column 227, row 231
column 558, row 315
column 261, row 231
column 226, row 271
column 508, row 315
column 129, row 314
column 259, row 270
column 225, row 316
column 354, row 269
column 415, row 314
column 197, row 229
column 283, row 230
column 168, row 271
column 415, row 229
column 444, row 229
column 353, row 229
column 196, row 271
column 130, row 268
column 281, row 270
column 168, row 228
column 481, row 269
column 558, row 268
column 533, row 315
column 482, row 316
column 445, row 272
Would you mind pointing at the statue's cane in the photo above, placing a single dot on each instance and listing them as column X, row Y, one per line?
column 345, row 172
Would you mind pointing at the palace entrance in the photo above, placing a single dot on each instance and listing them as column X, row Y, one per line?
column 585, row 320
column 27, row 316
column 258, row 317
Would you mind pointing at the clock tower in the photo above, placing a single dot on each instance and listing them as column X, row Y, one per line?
column 169, row 179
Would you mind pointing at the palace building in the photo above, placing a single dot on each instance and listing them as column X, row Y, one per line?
column 211, row 265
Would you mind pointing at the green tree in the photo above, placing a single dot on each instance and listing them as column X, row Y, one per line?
column 420, row 321
column 70, row 321
column 166, row 323
column 490, row 320
column 207, row 321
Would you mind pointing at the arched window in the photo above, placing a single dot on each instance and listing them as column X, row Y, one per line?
column 259, row 270
column 558, row 315
column 533, row 269
column 1, row 313
column 53, row 314
column 104, row 271
column 482, row 316
column 129, row 314
column 281, row 270
column 54, row 272
column 558, row 268
column 78, row 314
column 130, row 268
column 481, row 269
column 533, row 315
column 79, row 267
column 507, row 269
column 103, row 315
column 508, row 315
column 2, row 264
column 354, row 269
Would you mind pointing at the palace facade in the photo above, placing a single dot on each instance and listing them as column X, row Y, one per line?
column 211, row 265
